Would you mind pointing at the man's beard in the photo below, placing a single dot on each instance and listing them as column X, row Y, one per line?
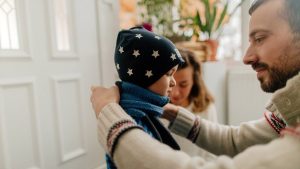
column 278, row 76
column 287, row 66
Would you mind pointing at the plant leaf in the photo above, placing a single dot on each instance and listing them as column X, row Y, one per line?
column 207, row 16
column 198, row 21
column 212, row 21
column 222, row 16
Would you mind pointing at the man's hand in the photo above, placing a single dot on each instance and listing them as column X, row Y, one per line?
column 102, row 96
column 170, row 112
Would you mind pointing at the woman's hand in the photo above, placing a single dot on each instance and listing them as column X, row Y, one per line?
column 170, row 112
column 102, row 96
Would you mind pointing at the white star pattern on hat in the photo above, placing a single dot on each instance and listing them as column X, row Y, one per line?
column 136, row 53
column 138, row 36
column 155, row 53
column 121, row 49
column 118, row 66
column 129, row 72
column 173, row 56
column 157, row 37
column 149, row 73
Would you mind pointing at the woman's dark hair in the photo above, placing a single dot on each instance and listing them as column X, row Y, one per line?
column 199, row 95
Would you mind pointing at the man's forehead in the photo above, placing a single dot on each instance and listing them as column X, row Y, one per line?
column 266, row 6
column 265, row 17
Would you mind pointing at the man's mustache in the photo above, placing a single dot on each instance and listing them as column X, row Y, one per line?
column 259, row 65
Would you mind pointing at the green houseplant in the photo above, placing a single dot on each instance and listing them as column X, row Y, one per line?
column 209, row 23
column 158, row 14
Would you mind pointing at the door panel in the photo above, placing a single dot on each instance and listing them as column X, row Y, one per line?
column 47, row 66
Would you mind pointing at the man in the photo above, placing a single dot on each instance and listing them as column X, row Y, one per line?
column 274, row 53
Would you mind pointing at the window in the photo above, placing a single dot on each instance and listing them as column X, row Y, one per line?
column 230, row 42
column 62, row 21
column 9, row 39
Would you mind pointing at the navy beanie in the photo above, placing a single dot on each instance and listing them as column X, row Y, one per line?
column 142, row 57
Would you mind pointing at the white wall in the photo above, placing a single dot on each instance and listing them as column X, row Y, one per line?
column 237, row 92
column 108, row 27
column 246, row 100
column 245, row 25
column 214, row 75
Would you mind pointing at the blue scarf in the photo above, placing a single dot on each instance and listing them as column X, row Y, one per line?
column 139, row 102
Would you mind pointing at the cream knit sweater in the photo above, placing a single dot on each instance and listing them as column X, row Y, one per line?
column 252, row 145
column 137, row 150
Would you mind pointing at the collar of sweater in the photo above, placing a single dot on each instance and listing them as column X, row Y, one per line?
column 138, row 101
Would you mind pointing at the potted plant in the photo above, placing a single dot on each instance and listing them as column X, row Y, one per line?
column 156, row 14
column 208, row 21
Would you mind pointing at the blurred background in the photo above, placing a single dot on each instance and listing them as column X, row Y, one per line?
column 52, row 51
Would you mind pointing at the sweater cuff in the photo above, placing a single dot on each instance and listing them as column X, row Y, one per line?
column 272, row 108
column 288, row 107
column 285, row 102
column 110, row 115
column 183, row 122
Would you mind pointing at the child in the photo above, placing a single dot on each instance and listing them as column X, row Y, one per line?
column 146, row 64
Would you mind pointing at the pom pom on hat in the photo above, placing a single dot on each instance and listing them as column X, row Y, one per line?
column 142, row 57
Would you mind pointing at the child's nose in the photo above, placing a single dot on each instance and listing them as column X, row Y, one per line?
column 173, row 82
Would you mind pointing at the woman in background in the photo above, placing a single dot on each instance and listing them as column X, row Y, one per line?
column 191, row 94
column 191, row 91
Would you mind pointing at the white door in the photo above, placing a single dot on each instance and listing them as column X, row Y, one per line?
column 49, row 58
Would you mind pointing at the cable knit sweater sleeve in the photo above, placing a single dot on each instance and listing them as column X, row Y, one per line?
column 137, row 150
column 220, row 139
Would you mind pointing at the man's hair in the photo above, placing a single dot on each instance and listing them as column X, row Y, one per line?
column 255, row 4
column 290, row 12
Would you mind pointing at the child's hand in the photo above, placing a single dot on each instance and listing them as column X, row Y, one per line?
column 102, row 96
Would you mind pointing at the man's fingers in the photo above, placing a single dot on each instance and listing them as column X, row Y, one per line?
column 91, row 98
column 93, row 88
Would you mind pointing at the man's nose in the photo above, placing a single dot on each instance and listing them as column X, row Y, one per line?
column 250, row 56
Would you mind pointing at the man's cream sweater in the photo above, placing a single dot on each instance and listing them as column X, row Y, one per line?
column 137, row 150
column 252, row 145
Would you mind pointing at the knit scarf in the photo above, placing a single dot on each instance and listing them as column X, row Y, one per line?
column 144, row 107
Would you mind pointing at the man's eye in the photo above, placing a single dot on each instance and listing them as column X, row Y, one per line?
column 259, row 39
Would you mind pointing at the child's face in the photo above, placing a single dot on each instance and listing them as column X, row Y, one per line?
column 165, row 84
